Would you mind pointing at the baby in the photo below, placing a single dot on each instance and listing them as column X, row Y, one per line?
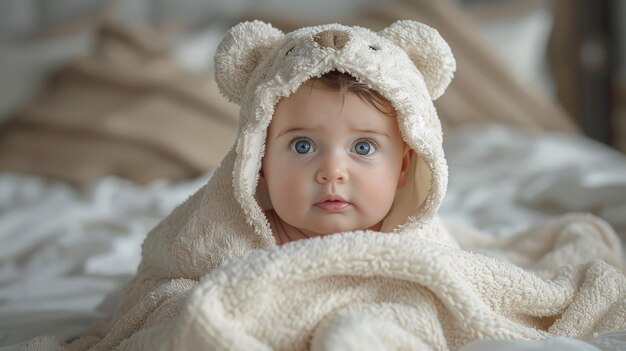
column 334, row 158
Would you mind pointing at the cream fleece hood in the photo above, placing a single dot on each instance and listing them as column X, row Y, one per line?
column 408, row 63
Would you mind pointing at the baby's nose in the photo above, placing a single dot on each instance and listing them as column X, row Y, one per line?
column 332, row 172
column 336, row 176
column 334, row 39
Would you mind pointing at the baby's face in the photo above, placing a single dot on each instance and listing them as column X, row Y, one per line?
column 331, row 167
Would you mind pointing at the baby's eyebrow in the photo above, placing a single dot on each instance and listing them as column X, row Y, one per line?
column 364, row 131
column 291, row 130
column 369, row 131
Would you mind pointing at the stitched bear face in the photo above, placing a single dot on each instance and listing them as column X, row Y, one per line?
column 257, row 46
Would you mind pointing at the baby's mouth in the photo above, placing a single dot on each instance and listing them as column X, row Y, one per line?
column 333, row 205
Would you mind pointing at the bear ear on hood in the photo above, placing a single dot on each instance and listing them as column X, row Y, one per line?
column 428, row 51
column 239, row 53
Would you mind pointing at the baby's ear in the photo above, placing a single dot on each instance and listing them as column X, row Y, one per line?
column 428, row 51
column 407, row 156
column 239, row 53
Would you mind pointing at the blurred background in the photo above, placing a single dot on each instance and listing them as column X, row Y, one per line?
column 123, row 87
column 110, row 118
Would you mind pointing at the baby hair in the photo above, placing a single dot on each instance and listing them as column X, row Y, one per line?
column 345, row 83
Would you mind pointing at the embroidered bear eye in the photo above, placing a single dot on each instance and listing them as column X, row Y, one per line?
column 374, row 47
column 289, row 51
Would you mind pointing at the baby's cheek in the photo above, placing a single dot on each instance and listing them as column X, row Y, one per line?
column 380, row 187
column 289, row 188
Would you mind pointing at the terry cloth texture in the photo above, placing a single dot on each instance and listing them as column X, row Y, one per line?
column 213, row 277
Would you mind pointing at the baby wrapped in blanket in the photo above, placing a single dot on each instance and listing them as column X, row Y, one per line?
column 319, row 229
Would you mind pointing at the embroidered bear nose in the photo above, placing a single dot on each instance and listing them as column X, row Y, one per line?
column 334, row 39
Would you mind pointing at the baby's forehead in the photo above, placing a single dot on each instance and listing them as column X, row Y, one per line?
column 304, row 94
column 328, row 111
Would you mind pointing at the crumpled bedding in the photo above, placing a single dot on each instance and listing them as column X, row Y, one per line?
column 553, row 173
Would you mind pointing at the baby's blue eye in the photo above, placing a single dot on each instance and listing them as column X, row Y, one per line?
column 364, row 148
column 302, row 146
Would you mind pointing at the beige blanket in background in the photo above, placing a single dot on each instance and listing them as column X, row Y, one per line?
column 128, row 109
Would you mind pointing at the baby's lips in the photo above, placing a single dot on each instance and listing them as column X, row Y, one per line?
column 331, row 197
column 333, row 206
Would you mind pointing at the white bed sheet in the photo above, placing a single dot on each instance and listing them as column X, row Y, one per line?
column 63, row 250
column 503, row 179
